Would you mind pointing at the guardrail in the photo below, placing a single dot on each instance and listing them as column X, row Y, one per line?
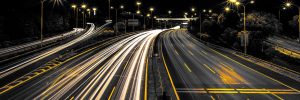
column 291, row 53
column 268, row 65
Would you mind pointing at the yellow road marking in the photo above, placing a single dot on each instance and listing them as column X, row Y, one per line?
column 255, row 71
column 146, row 80
column 169, row 75
column 209, row 68
column 220, row 89
column 112, row 92
column 188, row 68
column 72, row 98
column 37, row 73
column 223, row 92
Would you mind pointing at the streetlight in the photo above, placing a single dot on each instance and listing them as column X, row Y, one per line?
column 210, row 11
column 279, row 13
column 227, row 9
column 200, row 20
column 76, row 14
column 95, row 10
column 89, row 12
column 83, row 6
column 42, row 20
column 151, row 12
column 290, row 4
column 193, row 9
column 138, row 3
column 148, row 15
column 109, row 8
column 169, row 12
column 237, row 3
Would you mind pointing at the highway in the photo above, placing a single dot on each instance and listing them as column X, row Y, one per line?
column 7, row 70
column 116, row 72
column 197, row 71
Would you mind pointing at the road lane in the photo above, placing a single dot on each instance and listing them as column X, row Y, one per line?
column 12, row 69
column 199, row 69
column 120, row 67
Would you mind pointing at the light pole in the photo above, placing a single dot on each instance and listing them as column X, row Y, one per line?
column 279, row 13
column 289, row 4
column 76, row 14
column 42, row 21
column 245, row 34
column 83, row 6
column 95, row 11
column 200, row 21
column 109, row 9
column 151, row 12
column 138, row 3
column 116, row 22
column 122, row 9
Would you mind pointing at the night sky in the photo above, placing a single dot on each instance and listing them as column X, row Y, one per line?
column 161, row 6
column 181, row 6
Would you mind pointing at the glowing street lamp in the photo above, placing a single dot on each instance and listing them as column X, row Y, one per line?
column 193, row 9
column 94, row 10
column 138, row 12
column 237, row 3
column 74, row 6
column 232, row 1
column 227, row 9
column 83, row 6
column 138, row 3
column 151, row 12
column 210, row 11
column 289, row 5
column 169, row 12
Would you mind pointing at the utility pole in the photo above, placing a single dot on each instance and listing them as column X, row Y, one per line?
column 108, row 9
column 116, row 21
column 42, row 21
column 133, row 25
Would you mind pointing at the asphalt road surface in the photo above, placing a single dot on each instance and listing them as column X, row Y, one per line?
column 116, row 72
column 197, row 71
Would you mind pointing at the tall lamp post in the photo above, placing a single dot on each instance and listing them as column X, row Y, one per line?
column 76, row 14
column 109, row 9
column 138, row 3
column 83, row 6
column 245, row 34
column 42, row 21
column 289, row 4
column 170, row 15
column 151, row 12
column 279, row 13
column 200, row 21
